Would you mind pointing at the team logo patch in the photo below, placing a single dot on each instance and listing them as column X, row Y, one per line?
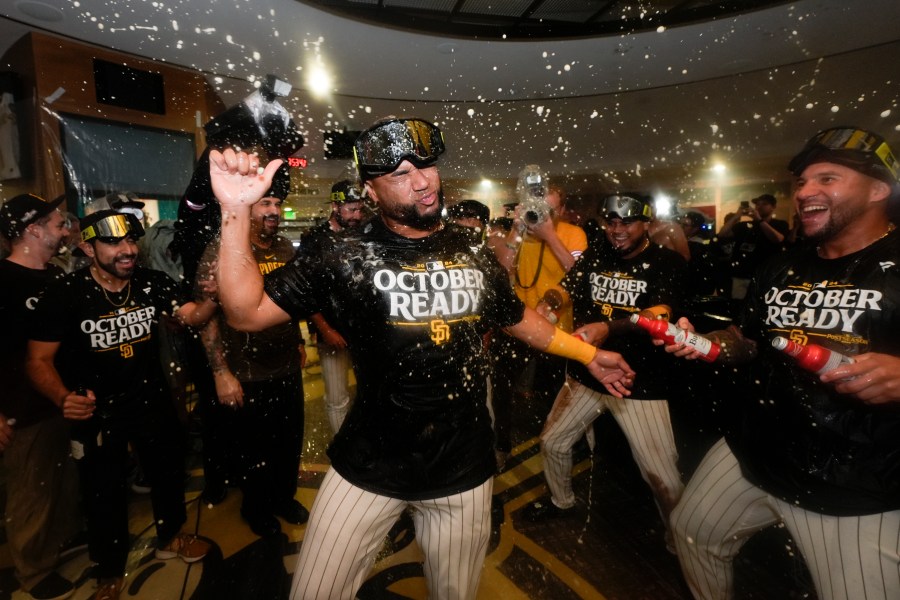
column 440, row 332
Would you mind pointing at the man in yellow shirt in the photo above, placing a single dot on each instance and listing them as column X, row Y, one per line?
column 537, row 254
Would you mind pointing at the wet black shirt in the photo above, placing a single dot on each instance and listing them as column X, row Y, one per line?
column 413, row 312
column 109, row 341
column 605, row 287
column 797, row 438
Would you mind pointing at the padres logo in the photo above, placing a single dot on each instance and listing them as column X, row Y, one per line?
column 440, row 332
column 126, row 350
column 607, row 310
column 798, row 337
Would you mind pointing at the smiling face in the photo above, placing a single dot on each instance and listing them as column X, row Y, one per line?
column 834, row 201
column 265, row 216
column 626, row 235
column 114, row 259
column 409, row 198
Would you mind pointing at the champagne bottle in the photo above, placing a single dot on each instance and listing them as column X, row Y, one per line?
column 811, row 357
column 554, row 300
column 671, row 334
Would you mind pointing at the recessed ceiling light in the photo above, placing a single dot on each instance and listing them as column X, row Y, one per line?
column 39, row 10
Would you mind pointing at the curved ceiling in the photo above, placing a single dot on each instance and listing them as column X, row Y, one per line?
column 745, row 86
column 241, row 41
column 535, row 19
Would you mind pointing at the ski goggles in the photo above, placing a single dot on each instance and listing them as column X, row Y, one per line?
column 858, row 149
column 381, row 148
column 626, row 208
column 112, row 228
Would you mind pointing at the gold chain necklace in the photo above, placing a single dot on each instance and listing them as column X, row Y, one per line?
column 127, row 295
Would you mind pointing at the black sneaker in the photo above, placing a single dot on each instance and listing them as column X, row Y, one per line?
column 78, row 543
column 293, row 512
column 52, row 587
column 262, row 525
column 545, row 510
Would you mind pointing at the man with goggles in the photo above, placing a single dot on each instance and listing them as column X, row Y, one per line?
column 816, row 452
column 414, row 298
column 112, row 228
column 95, row 352
column 381, row 148
column 613, row 281
column 347, row 211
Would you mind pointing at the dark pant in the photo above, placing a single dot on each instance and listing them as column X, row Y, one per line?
column 268, row 440
column 100, row 447
column 512, row 383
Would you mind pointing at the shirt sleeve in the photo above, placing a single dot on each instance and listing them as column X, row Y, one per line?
column 295, row 287
column 47, row 321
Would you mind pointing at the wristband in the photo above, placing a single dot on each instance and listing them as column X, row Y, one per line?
column 568, row 346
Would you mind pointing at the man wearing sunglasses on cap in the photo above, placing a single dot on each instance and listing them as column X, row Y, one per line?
column 94, row 352
column 348, row 210
column 818, row 453
column 415, row 297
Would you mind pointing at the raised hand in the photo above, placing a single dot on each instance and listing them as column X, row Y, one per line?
column 237, row 179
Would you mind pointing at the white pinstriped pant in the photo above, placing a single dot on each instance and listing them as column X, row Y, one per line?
column 849, row 558
column 645, row 423
column 347, row 526
column 336, row 365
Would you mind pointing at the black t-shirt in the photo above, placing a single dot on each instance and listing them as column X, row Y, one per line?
column 413, row 312
column 108, row 341
column 20, row 289
column 605, row 287
column 752, row 247
column 798, row 438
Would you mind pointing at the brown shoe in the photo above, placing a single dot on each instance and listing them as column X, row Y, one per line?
column 109, row 589
column 188, row 548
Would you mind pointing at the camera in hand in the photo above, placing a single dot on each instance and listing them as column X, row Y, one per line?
column 531, row 189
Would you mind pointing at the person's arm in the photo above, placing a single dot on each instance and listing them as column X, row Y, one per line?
column 237, row 185
column 45, row 378
column 671, row 236
column 196, row 314
column 727, row 230
column 546, row 232
column 228, row 389
column 771, row 234
column 327, row 334
column 609, row 368
column 507, row 246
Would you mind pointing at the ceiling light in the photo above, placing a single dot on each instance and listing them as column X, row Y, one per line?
column 319, row 82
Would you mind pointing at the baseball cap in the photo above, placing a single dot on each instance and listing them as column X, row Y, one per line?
column 626, row 207
column 346, row 191
column 110, row 226
column 765, row 198
column 281, row 183
column 382, row 147
column 19, row 212
column 470, row 209
column 852, row 147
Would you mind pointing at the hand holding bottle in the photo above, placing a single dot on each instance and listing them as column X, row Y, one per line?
column 672, row 335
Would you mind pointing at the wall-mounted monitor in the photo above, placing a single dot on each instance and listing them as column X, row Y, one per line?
column 103, row 156
column 126, row 87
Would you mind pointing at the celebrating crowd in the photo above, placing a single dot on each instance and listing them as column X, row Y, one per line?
column 435, row 319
